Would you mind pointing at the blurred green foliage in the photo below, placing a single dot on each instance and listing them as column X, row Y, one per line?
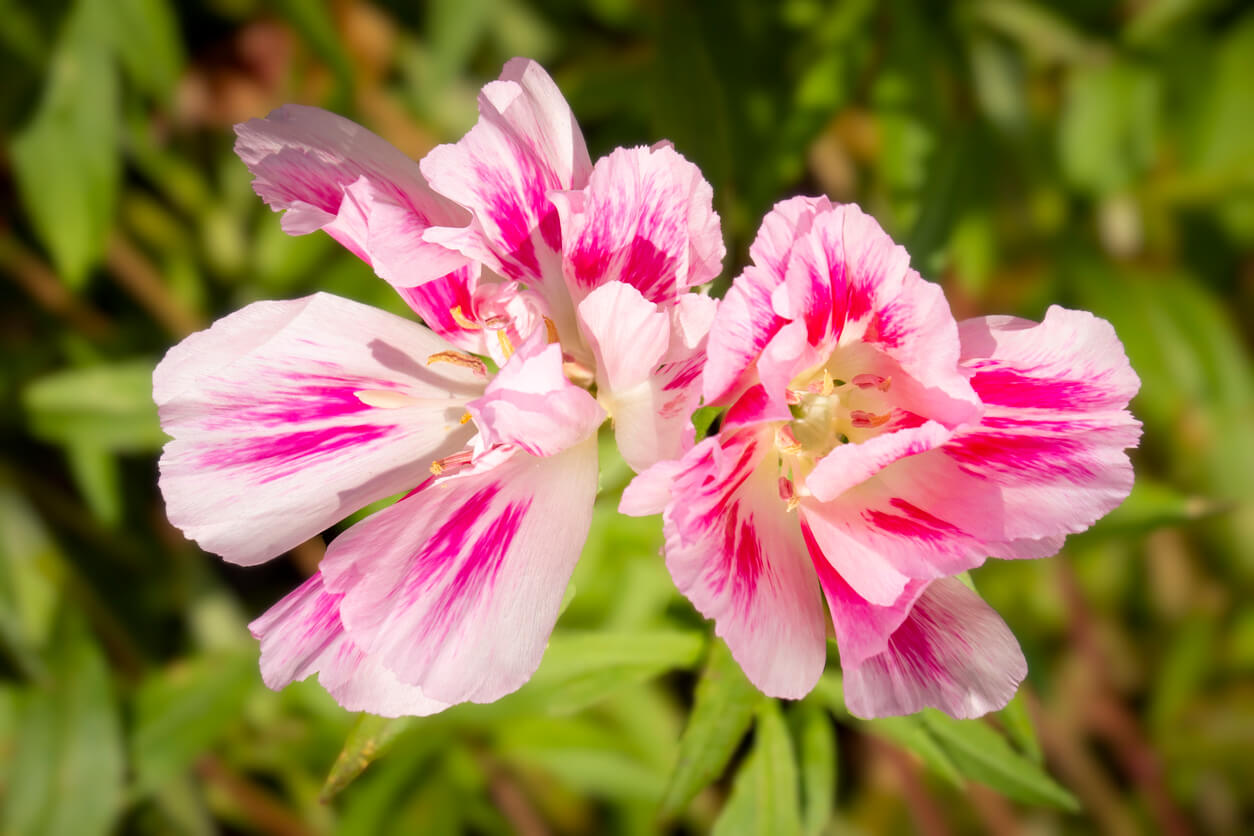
column 1092, row 154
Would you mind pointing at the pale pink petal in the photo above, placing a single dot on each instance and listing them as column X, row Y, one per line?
column 735, row 552
column 330, row 173
column 531, row 404
column 628, row 334
column 525, row 144
column 646, row 218
column 648, row 493
column 849, row 465
column 952, row 652
column 692, row 316
column 838, row 553
column 288, row 416
column 457, row 587
column 302, row 635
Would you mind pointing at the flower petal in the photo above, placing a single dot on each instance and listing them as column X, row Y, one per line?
column 736, row 553
column 646, row 218
column 952, row 652
column 849, row 465
column 302, row 635
column 457, row 587
column 628, row 334
column 330, row 173
column 531, row 404
column 525, row 144
column 288, row 416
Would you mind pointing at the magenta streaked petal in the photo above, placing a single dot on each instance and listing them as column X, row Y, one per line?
column 532, row 405
column 329, row 173
column 302, row 635
column 736, row 553
column 457, row 586
column 276, row 425
column 648, row 493
column 646, row 218
column 952, row 652
column 525, row 144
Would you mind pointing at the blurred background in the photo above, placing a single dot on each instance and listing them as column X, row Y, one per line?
column 1090, row 154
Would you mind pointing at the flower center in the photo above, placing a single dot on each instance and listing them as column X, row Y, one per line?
column 827, row 411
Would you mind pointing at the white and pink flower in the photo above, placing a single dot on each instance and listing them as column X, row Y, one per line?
column 286, row 417
column 872, row 449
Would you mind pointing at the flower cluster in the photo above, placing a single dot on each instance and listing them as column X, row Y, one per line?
column 870, row 450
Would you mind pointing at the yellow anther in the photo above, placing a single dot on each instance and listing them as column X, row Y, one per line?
column 436, row 468
column 829, row 385
column 552, row 329
column 507, row 347
column 460, row 318
column 465, row 418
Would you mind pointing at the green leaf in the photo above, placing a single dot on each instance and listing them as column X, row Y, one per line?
column 1108, row 127
column 147, row 40
column 580, row 669
column 66, row 159
column 816, row 736
column 96, row 474
column 370, row 738
column 69, row 743
column 764, row 798
column 1017, row 722
column 722, row 711
column 108, row 407
column 910, row 734
column 184, row 710
column 31, row 575
column 983, row 755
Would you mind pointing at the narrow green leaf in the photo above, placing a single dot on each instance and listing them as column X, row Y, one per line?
column 66, row 159
column 370, row 737
column 69, row 745
column 764, row 798
column 580, row 669
column 108, row 407
column 182, row 711
column 912, row 735
column 721, row 714
column 1018, row 724
column 147, row 39
column 96, row 474
column 816, row 736
column 983, row 755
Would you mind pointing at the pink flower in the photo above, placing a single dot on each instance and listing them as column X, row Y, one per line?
column 288, row 416
column 873, row 449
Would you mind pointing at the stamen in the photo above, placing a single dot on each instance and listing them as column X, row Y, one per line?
column 465, row 418
column 460, row 358
column 867, row 381
column 507, row 347
column 460, row 319
column 786, row 441
column 792, row 397
column 384, row 398
column 828, row 385
column 862, row 418
column 552, row 330
column 441, row 466
column 785, row 488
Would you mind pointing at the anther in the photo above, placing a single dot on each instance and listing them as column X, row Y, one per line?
column 507, row 347
column 551, row 328
column 460, row 358
column 460, row 319
column 862, row 418
column 441, row 466
column 867, row 381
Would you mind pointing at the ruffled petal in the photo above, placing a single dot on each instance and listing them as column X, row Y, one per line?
column 329, row 173
column 952, row 652
column 736, row 553
column 302, row 635
column 457, row 587
column 525, row 144
column 646, row 218
column 288, row 416
column 532, row 405
column 851, row 285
